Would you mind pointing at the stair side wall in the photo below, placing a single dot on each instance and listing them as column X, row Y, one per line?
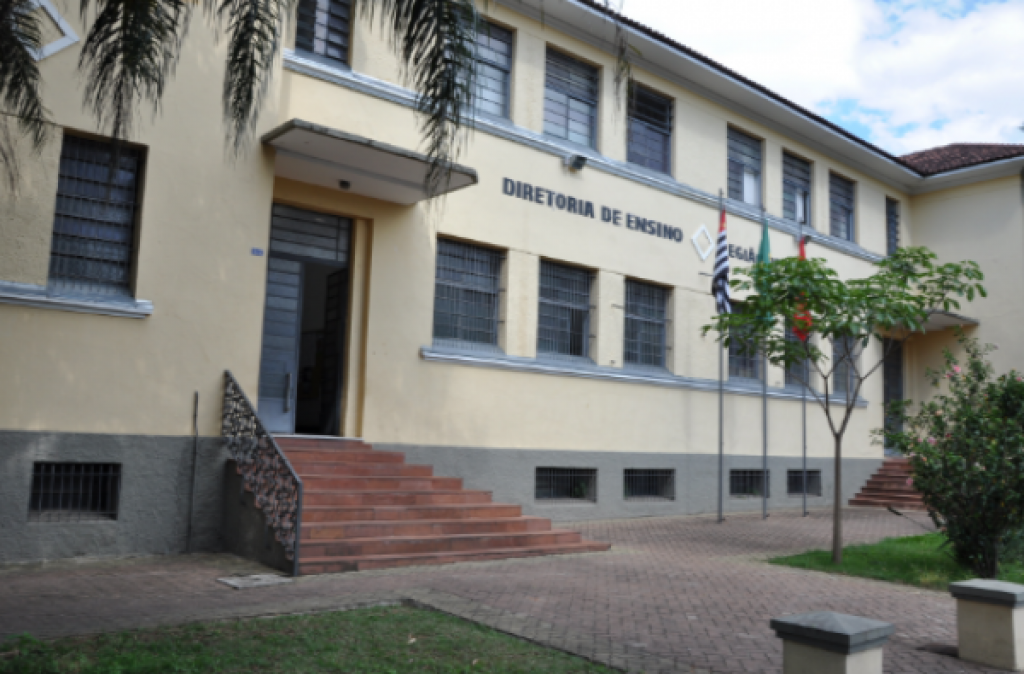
column 245, row 529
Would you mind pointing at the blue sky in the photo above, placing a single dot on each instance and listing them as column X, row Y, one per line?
column 904, row 74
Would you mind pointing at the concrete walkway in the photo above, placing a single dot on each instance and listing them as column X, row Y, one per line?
column 672, row 595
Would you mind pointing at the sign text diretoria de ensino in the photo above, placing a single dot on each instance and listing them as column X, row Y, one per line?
column 587, row 209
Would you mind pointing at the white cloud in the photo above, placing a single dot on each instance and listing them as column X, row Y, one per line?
column 905, row 74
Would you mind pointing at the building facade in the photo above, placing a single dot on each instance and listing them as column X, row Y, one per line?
column 536, row 331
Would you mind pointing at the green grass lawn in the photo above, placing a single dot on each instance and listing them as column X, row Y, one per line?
column 366, row 641
column 916, row 560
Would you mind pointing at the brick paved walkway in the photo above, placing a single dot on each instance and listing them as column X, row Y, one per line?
column 673, row 594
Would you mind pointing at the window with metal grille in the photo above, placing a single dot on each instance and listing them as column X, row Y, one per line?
column 566, row 484
column 841, row 222
column 564, row 324
column 795, row 482
column 72, row 492
column 646, row 320
column 744, row 167
column 744, row 360
column 649, row 484
column 94, row 223
column 749, row 483
column 844, row 359
column 892, row 226
column 324, row 28
column 650, row 129
column 570, row 99
column 796, row 373
column 467, row 293
column 493, row 69
column 796, row 189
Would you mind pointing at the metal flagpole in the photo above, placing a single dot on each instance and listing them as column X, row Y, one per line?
column 721, row 397
column 764, row 442
column 803, row 399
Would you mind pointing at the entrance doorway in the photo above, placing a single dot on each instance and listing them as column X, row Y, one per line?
column 302, row 361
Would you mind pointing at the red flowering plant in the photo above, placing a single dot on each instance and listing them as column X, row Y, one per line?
column 966, row 450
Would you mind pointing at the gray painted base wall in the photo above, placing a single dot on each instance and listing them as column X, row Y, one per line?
column 245, row 527
column 156, row 472
column 510, row 475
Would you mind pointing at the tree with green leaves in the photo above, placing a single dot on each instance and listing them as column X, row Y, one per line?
column 132, row 47
column 845, row 317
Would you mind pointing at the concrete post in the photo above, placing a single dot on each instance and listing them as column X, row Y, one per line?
column 990, row 622
column 824, row 642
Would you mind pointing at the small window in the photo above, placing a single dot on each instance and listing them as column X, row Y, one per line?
column 324, row 28
column 467, row 293
column 566, row 484
column 73, row 492
column 744, row 168
column 745, row 483
column 650, row 129
column 892, row 226
column 795, row 482
column 796, row 189
column 796, row 373
column 845, row 353
column 570, row 100
column 646, row 319
column 94, row 223
column 650, row 484
column 493, row 70
column 564, row 324
column 841, row 220
column 744, row 360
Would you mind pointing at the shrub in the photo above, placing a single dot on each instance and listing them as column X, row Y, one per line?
column 966, row 450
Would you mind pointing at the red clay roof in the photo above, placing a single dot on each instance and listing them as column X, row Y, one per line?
column 959, row 155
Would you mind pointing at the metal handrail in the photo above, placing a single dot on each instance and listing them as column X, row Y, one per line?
column 265, row 470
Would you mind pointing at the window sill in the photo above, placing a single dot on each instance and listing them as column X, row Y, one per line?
column 578, row 367
column 26, row 295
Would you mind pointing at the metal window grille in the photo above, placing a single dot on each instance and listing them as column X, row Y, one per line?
column 570, row 99
column 796, row 189
column 467, row 293
column 646, row 319
column 744, row 167
column 892, row 226
column 324, row 27
column 72, row 492
column 649, row 484
column 94, row 222
column 796, row 373
column 493, row 69
column 749, row 483
column 844, row 359
column 566, row 484
column 650, row 129
column 564, row 323
column 795, row 482
column 745, row 361
column 841, row 207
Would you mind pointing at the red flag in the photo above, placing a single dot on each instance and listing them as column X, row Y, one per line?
column 802, row 318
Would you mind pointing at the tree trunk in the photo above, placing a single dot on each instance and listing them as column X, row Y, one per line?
column 837, row 508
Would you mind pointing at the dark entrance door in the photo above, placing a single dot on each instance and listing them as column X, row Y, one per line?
column 892, row 381
column 302, row 358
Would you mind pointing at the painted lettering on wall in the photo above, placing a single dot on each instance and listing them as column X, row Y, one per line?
column 587, row 209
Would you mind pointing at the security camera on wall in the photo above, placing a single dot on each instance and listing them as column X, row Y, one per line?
column 575, row 162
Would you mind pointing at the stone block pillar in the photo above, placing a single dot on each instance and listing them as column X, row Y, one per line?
column 824, row 642
column 990, row 622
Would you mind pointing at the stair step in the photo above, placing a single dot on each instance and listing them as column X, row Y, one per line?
column 341, row 564
column 406, row 497
column 882, row 503
column 345, row 456
column 454, row 511
column 374, row 483
column 321, row 531
column 345, row 469
column 401, row 545
column 336, row 444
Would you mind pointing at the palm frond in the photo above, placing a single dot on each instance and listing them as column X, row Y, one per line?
column 435, row 41
column 20, row 100
column 128, row 56
column 254, row 30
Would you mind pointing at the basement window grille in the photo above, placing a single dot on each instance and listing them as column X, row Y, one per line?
column 74, row 492
column 795, row 483
column 650, row 484
column 564, row 329
column 566, row 484
column 467, row 294
column 646, row 318
column 324, row 28
column 94, row 223
column 744, row 483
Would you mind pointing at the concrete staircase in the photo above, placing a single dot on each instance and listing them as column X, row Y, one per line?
column 888, row 487
column 364, row 509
